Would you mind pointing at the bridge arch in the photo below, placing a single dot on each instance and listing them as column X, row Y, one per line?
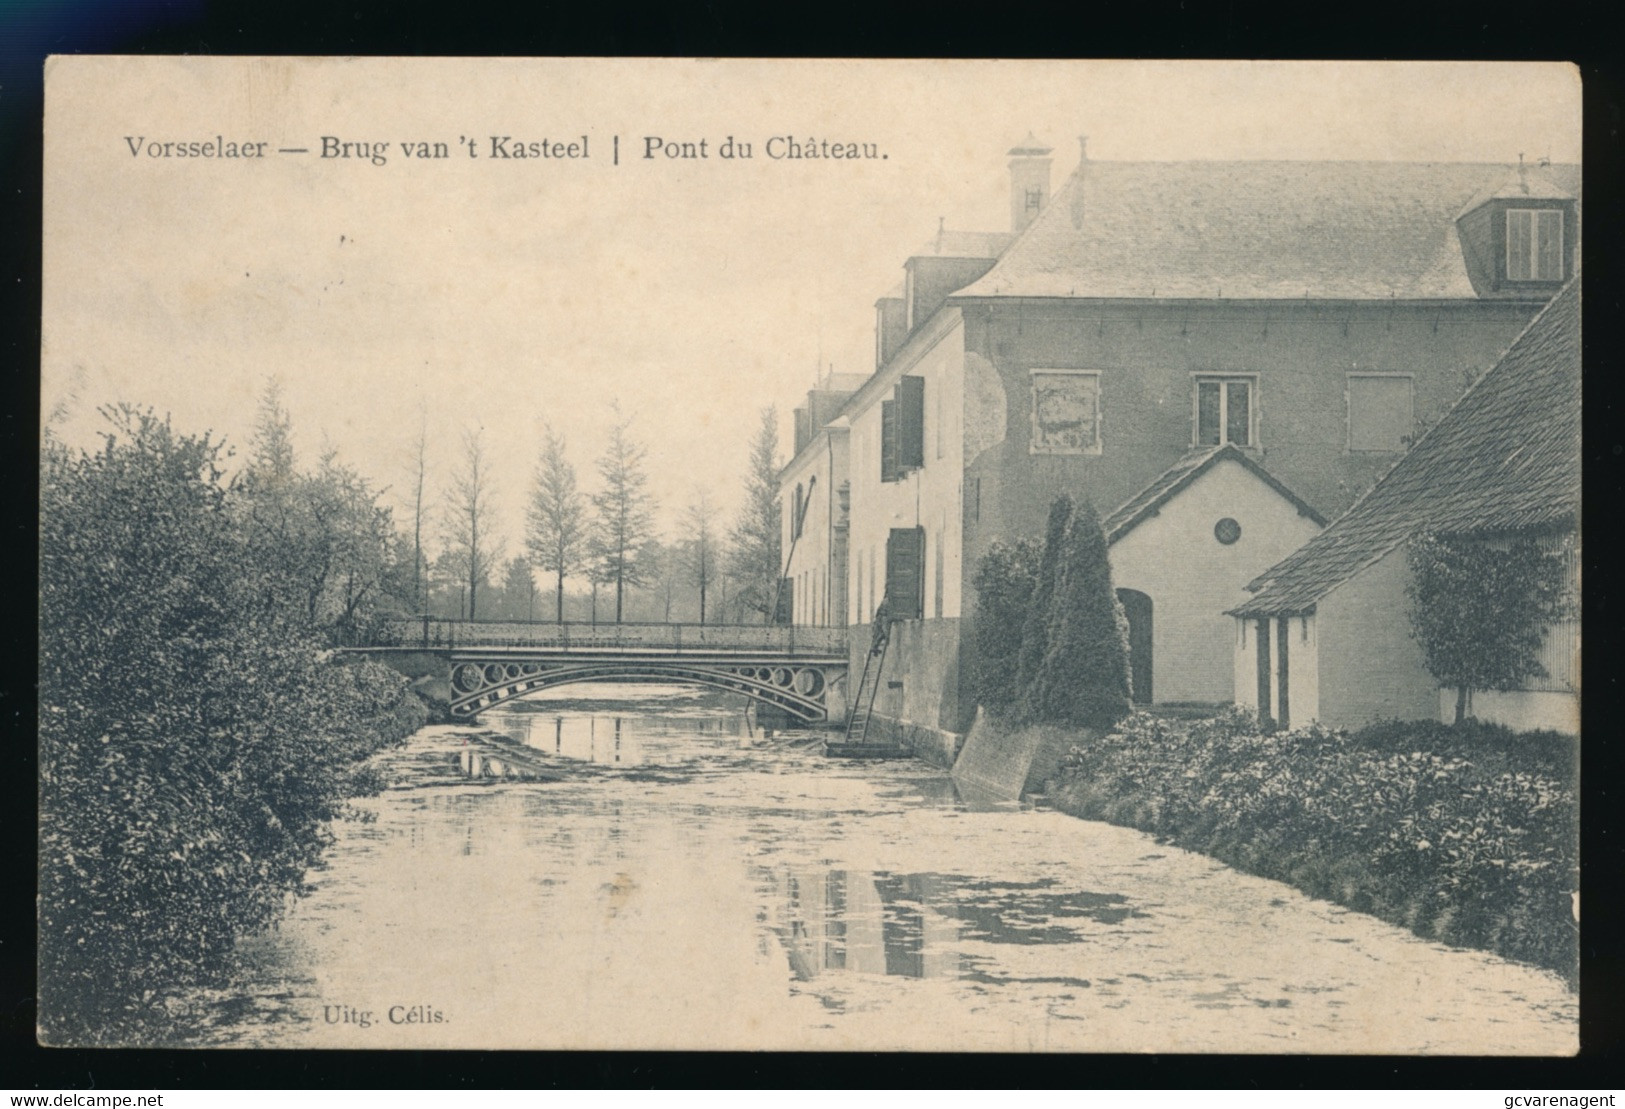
column 800, row 689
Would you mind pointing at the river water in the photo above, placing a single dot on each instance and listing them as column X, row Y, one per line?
column 644, row 869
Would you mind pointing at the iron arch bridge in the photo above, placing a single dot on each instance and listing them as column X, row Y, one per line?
column 800, row 671
column 799, row 688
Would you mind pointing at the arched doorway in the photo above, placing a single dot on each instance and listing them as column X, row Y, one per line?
column 1137, row 607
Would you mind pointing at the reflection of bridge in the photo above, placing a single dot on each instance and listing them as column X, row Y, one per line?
column 799, row 670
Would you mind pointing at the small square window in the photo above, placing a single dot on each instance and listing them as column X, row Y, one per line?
column 1534, row 244
column 1066, row 412
column 1225, row 412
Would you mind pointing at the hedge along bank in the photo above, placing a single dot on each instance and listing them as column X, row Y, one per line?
column 1464, row 835
column 194, row 737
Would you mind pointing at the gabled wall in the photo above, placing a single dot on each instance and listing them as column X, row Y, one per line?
column 1192, row 578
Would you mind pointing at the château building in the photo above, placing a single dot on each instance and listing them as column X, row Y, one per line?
column 1220, row 356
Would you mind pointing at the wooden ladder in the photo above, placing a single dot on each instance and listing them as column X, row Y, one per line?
column 857, row 721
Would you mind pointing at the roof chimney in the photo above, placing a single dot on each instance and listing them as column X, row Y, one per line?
column 1081, row 174
column 1029, row 181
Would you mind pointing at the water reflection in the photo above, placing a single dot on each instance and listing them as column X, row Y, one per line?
column 616, row 740
column 697, row 894
column 482, row 763
column 863, row 922
column 912, row 925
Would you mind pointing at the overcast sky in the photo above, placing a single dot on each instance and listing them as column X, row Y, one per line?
column 509, row 293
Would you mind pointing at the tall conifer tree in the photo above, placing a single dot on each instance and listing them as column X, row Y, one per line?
column 1083, row 679
column 1035, row 631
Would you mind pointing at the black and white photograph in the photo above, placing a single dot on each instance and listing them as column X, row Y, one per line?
column 810, row 555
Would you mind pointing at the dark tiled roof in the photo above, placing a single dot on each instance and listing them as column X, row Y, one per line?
column 1505, row 458
column 1148, row 501
column 1253, row 230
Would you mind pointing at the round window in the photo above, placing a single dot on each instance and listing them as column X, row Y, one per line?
column 1227, row 531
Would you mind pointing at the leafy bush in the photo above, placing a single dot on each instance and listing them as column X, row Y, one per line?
column 1480, row 611
column 194, row 739
column 1467, row 836
column 1004, row 581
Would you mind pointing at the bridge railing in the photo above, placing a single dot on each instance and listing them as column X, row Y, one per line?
column 431, row 633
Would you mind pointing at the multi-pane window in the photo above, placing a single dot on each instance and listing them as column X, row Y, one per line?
column 1534, row 244
column 1066, row 412
column 1225, row 411
column 1380, row 416
column 1035, row 199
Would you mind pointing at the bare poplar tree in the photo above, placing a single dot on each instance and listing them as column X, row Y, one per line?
column 420, row 466
column 468, row 531
column 700, row 547
column 625, row 514
column 556, row 520
column 756, row 564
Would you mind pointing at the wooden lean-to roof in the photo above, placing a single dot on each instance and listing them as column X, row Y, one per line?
column 1505, row 458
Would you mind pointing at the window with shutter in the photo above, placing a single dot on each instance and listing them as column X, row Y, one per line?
column 910, row 398
column 905, row 569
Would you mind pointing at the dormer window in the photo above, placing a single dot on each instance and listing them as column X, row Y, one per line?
column 1519, row 240
column 1534, row 244
column 1035, row 199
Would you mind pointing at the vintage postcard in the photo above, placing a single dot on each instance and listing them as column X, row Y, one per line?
column 812, row 555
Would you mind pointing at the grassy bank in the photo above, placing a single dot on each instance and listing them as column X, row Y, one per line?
column 1464, row 835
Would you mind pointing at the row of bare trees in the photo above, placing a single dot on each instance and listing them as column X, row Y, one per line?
column 607, row 537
